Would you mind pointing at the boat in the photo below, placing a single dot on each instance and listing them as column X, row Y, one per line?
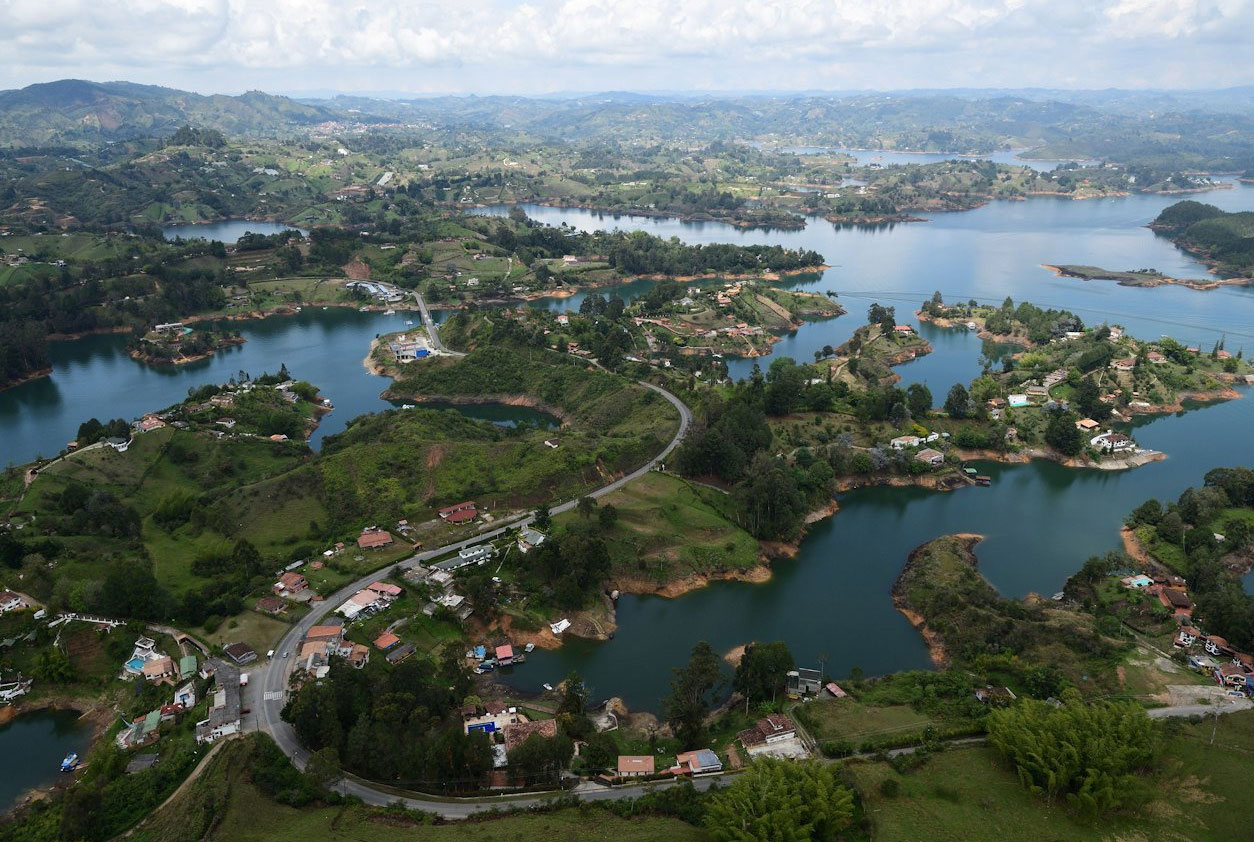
column 70, row 763
column 407, row 406
column 548, row 686
column 408, row 322
column 389, row 312
column 529, row 647
column 972, row 326
column 983, row 480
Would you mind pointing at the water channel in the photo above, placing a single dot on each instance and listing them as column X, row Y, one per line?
column 1041, row 520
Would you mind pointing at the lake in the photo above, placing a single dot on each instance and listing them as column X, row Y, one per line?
column 986, row 254
column 226, row 230
column 1041, row 520
column 94, row 376
column 33, row 746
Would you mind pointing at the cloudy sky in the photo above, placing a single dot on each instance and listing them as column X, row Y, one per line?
column 504, row 46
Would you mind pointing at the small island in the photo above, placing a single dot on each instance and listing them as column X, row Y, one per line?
column 1141, row 277
column 177, row 344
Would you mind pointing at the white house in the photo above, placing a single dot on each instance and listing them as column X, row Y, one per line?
column 10, row 601
column 902, row 442
column 1113, row 442
column 476, row 555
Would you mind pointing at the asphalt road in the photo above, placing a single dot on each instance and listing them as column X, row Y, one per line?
column 272, row 679
column 1225, row 706
column 432, row 331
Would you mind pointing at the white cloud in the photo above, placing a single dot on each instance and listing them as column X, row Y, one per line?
column 499, row 45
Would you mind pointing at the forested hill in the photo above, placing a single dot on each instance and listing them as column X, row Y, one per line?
column 1224, row 239
column 72, row 111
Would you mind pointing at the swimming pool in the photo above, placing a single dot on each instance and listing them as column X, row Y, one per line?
column 135, row 664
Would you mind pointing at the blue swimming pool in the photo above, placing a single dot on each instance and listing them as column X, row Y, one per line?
column 136, row 664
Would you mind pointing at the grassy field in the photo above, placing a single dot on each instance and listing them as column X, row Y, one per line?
column 668, row 528
column 257, row 630
column 847, row 719
column 970, row 795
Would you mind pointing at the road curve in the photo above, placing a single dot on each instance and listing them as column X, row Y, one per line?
column 275, row 678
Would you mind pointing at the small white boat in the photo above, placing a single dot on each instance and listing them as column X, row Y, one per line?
column 408, row 322
column 548, row 686
column 70, row 763
column 389, row 312
column 529, row 647
column 972, row 326
column 407, row 406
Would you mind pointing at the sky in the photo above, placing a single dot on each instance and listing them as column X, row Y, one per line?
column 540, row 46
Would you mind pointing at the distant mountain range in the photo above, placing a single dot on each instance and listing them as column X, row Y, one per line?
column 75, row 112
column 1173, row 129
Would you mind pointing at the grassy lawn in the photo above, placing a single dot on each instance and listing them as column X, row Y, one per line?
column 847, row 719
column 971, row 794
column 259, row 631
column 668, row 528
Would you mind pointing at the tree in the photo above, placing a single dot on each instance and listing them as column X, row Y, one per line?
column 762, row 671
column 541, row 759
column 958, row 402
column 542, row 521
column 607, row 516
column 323, row 768
column 919, row 400
column 586, row 506
column 781, row 801
column 1063, row 435
column 689, row 702
column 574, row 695
column 1088, row 754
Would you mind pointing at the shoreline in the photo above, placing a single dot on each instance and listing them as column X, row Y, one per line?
column 936, row 650
column 139, row 357
column 98, row 716
column 1155, row 280
column 29, row 378
column 746, row 225
column 982, row 333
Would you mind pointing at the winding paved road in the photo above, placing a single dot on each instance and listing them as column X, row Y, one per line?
column 273, row 676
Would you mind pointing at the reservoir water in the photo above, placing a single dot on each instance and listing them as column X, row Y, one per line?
column 226, row 230
column 1042, row 521
column 33, row 746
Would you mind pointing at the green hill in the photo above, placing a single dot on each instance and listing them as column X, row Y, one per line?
column 1226, row 239
column 73, row 112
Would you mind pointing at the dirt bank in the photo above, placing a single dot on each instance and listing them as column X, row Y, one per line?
column 694, row 581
